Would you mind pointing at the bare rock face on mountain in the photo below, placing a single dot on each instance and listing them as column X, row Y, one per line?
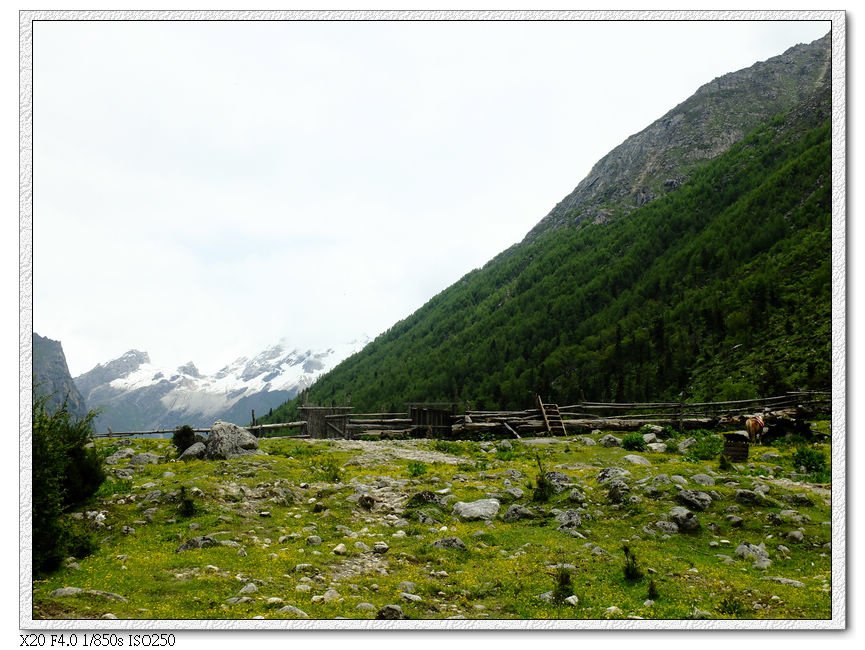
column 228, row 440
column 51, row 378
column 660, row 158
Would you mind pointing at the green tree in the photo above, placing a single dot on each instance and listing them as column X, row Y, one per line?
column 66, row 472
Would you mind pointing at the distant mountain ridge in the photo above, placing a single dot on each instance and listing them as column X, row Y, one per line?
column 135, row 394
column 51, row 378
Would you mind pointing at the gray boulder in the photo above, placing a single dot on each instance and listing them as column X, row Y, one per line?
column 685, row 519
column 120, row 454
column 451, row 542
column 610, row 440
column 517, row 512
column 693, row 499
column 636, row 459
column 194, row 451
column 617, row 490
column 228, row 440
column 485, row 509
column 144, row 459
column 568, row 519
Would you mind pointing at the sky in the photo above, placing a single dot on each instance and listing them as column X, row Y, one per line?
column 203, row 190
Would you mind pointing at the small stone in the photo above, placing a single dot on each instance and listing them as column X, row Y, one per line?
column 390, row 613
column 249, row 588
column 380, row 548
column 573, row 601
column 414, row 598
column 340, row 549
column 313, row 540
column 291, row 610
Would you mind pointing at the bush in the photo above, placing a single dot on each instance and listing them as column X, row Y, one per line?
column 187, row 507
column 634, row 442
column 564, row 587
column 416, row 468
column 632, row 570
column 183, row 438
column 66, row 472
column 543, row 487
column 812, row 460
column 705, row 448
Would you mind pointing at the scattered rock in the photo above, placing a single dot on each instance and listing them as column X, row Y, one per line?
column 657, row 447
column 758, row 553
column 380, row 548
column 617, row 490
column 693, row 499
column 485, row 509
column 636, row 459
column 145, row 459
column 204, row 541
column 340, row 549
column 703, row 479
column 391, row 613
column 686, row 444
column 568, row 519
column 784, row 581
column 291, row 610
column 196, row 451
column 249, row 588
column 610, row 440
column 685, row 519
column 451, row 542
column 517, row 512
column 609, row 473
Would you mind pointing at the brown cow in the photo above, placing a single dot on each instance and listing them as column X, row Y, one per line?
column 754, row 426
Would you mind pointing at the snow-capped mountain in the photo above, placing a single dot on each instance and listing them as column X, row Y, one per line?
column 136, row 395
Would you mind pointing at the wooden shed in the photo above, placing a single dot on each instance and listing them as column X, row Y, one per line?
column 317, row 423
column 433, row 420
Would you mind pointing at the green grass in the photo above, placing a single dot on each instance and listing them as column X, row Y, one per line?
column 505, row 569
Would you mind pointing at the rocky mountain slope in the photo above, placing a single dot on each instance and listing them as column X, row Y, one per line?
column 51, row 378
column 135, row 394
column 662, row 157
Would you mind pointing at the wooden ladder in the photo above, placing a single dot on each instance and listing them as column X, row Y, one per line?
column 552, row 418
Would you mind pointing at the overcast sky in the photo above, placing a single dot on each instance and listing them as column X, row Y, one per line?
column 205, row 189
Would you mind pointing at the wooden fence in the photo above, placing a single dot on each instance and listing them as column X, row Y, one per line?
column 438, row 421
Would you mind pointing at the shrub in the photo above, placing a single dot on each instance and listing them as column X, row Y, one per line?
column 705, row 448
column 653, row 593
column 187, row 507
column 632, row 570
column 812, row 460
column 634, row 442
column 416, row 468
column 543, row 487
column 183, row 438
column 563, row 588
column 327, row 469
column 66, row 472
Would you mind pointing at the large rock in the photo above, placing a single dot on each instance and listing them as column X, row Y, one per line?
column 228, row 440
column 481, row 509
column 194, row 451
column 685, row 519
column 694, row 499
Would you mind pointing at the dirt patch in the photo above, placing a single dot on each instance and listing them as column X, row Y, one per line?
column 380, row 453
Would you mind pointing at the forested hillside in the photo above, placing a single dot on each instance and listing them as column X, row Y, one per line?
column 720, row 289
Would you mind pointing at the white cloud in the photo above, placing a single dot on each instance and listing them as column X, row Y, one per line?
column 203, row 189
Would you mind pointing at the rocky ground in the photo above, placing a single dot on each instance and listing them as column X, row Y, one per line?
column 509, row 529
